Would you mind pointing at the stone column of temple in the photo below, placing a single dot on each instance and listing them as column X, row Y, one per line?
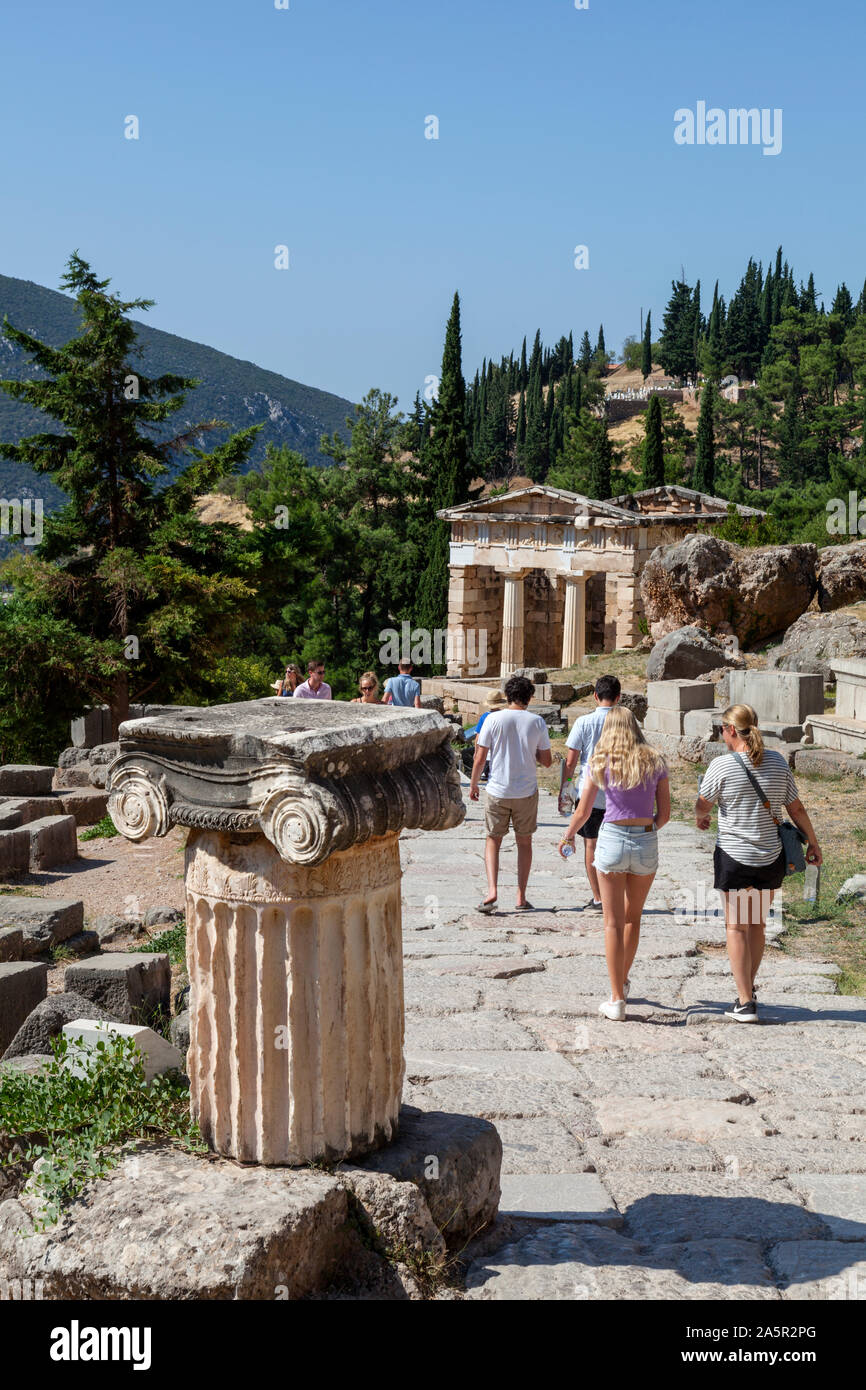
column 298, row 1051
column 294, row 950
column 574, row 624
column 512, row 624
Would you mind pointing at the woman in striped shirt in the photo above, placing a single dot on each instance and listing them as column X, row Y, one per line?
column 749, row 862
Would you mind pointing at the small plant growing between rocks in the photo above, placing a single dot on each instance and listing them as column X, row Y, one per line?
column 66, row 1128
column 104, row 829
column 172, row 942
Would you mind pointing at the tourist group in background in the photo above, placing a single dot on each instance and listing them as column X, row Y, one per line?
column 621, row 802
column 401, row 689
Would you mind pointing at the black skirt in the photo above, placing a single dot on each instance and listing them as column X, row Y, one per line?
column 729, row 874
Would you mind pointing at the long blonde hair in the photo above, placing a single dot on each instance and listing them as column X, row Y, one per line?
column 623, row 753
column 745, row 723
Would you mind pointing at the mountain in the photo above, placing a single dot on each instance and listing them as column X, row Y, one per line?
column 238, row 392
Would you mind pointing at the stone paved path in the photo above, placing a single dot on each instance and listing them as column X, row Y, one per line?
column 675, row 1155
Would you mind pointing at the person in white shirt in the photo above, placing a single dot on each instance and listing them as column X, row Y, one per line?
column 515, row 741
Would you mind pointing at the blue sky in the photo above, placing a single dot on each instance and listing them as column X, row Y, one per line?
column 306, row 127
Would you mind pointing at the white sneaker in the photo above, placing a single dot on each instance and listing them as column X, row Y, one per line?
column 614, row 1010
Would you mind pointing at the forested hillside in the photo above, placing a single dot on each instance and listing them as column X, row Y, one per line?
column 238, row 392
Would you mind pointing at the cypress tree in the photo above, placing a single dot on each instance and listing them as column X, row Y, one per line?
column 600, row 354
column 600, row 466
column 524, row 372
column 646, row 357
column 520, row 440
column 449, row 479
column 704, row 474
column 585, row 358
column 653, row 449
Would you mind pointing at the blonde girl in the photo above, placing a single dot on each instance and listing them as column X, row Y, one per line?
column 634, row 778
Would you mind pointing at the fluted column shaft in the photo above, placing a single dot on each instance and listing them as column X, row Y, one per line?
column 512, row 625
column 574, row 624
column 296, row 998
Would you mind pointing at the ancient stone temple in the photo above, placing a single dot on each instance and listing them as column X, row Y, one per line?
column 547, row 575
column 294, row 943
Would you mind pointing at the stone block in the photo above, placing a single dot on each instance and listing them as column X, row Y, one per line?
column 11, row 943
column 702, row 723
column 397, row 1211
column 86, row 943
column 83, row 1034
column 129, row 984
column 850, row 689
column 116, row 928
column 92, row 728
column 23, row 984
column 663, row 721
column 826, row 763
column 778, row 697
column 52, row 841
column 35, row 1035
column 78, row 776
column 30, row 808
column 200, row 1229
column 179, row 1033
column 780, row 733
column 44, row 922
column 71, row 757
column 10, row 814
column 680, row 694
column 462, row 1186
column 87, row 804
column 842, row 735
column 558, row 1197
column 14, row 852
column 24, row 779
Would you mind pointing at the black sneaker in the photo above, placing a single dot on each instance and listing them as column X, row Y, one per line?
column 743, row 1013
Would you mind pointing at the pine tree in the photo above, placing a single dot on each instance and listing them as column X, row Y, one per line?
column 449, row 475
column 126, row 557
column 843, row 305
column 646, row 360
column 704, row 473
column 653, row 453
column 676, row 345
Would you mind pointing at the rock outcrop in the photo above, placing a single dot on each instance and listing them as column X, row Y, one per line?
column 813, row 641
column 686, row 654
column 841, row 575
column 727, row 588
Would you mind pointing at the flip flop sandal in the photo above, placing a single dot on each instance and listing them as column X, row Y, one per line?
column 487, row 907
column 525, row 907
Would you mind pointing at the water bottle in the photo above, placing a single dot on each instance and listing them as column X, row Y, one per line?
column 566, row 850
column 812, row 883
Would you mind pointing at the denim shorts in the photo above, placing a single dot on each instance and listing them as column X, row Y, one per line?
column 626, row 849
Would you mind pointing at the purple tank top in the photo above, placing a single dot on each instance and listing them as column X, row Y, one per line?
column 631, row 803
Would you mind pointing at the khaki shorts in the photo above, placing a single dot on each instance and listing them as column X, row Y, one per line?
column 519, row 811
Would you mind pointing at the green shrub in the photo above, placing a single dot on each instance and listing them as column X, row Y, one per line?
column 77, row 1125
column 102, row 830
column 172, row 941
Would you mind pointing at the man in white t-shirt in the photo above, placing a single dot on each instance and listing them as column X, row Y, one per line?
column 515, row 741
